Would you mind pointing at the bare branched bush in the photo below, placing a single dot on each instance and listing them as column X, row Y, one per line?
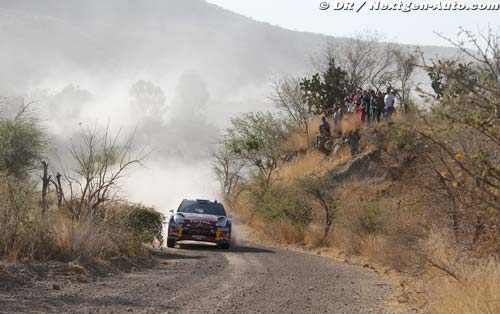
column 322, row 191
column 101, row 161
column 406, row 63
column 462, row 133
column 228, row 167
column 367, row 60
column 288, row 97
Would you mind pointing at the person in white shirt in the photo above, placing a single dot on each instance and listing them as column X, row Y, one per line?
column 389, row 100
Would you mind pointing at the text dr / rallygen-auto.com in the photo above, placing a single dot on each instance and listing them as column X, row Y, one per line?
column 408, row 6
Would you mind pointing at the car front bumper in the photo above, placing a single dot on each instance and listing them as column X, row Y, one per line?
column 182, row 233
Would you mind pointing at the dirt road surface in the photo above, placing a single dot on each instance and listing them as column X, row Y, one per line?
column 203, row 279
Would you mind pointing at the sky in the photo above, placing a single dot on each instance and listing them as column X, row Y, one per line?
column 416, row 27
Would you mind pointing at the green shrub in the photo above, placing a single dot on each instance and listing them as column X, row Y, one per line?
column 145, row 224
column 286, row 203
column 131, row 226
column 21, row 145
column 371, row 220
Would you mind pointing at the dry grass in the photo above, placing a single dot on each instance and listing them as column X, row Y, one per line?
column 382, row 227
column 281, row 231
column 24, row 231
column 298, row 142
column 313, row 235
column 313, row 163
column 314, row 128
column 457, row 283
column 27, row 233
column 84, row 240
column 350, row 123
column 477, row 292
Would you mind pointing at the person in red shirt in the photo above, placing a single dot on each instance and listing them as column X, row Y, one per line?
column 364, row 98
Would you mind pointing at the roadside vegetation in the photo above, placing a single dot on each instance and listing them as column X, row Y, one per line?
column 417, row 194
column 69, row 209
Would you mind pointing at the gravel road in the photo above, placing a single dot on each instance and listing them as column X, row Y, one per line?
column 203, row 279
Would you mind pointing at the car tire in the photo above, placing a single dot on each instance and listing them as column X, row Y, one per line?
column 171, row 243
column 224, row 245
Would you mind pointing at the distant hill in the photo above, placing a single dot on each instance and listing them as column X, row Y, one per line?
column 138, row 36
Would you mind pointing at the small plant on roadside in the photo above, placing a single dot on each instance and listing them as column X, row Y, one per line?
column 131, row 226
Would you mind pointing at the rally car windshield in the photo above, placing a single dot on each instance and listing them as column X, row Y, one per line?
column 215, row 209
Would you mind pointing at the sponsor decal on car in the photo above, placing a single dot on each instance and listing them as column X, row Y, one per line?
column 200, row 222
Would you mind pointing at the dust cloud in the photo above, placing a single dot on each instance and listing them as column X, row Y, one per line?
column 172, row 70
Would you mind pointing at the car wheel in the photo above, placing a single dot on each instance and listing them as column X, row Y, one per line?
column 170, row 243
column 224, row 245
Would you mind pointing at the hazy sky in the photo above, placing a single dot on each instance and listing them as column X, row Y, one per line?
column 412, row 27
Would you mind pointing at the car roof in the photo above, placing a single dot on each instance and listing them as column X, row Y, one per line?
column 202, row 201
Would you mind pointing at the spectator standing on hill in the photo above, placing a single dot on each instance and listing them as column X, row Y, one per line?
column 348, row 103
column 324, row 128
column 338, row 114
column 364, row 101
column 389, row 100
column 324, row 133
column 373, row 106
column 355, row 102
column 380, row 105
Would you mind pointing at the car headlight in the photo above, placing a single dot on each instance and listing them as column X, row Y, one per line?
column 221, row 222
column 179, row 219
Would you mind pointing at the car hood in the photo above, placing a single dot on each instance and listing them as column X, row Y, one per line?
column 200, row 218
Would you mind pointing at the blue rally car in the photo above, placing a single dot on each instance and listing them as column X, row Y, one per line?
column 200, row 220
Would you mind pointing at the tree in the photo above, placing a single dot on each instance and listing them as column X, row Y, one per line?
column 257, row 138
column 21, row 149
column 406, row 63
column 148, row 99
column 322, row 191
column 367, row 61
column 227, row 166
column 322, row 91
column 463, row 131
column 383, row 72
column 287, row 96
column 21, row 143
